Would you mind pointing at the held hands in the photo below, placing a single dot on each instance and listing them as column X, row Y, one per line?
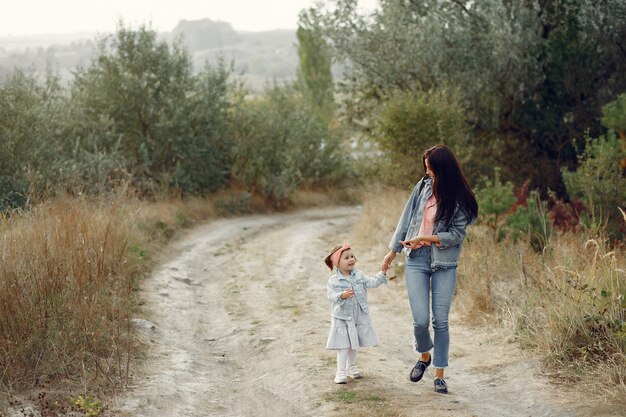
column 347, row 293
column 387, row 261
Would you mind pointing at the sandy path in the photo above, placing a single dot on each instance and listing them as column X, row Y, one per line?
column 241, row 320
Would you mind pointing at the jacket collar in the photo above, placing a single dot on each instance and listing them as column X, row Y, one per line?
column 340, row 275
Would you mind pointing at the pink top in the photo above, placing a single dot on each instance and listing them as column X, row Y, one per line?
column 428, row 221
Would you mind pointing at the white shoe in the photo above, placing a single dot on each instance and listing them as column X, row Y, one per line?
column 341, row 378
column 354, row 372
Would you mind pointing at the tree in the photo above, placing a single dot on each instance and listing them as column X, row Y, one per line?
column 518, row 64
column 138, row 100
column 615, row 119
column 314, row 72
column 600, row 184
column 30, row 112
column 408, row 123
column 280, row 144
column 615, row 115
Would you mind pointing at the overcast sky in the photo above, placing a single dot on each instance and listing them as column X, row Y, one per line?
column 34, row 17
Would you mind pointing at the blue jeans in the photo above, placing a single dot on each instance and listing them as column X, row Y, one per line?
column 420, row 280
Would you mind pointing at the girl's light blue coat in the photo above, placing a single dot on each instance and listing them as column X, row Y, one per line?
column 359, row 282
column 451, row 234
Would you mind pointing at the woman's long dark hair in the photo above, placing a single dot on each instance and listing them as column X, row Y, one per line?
column 449, row 186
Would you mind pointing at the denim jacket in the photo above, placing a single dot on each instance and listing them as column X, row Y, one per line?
column 451, row 234
column 359, row 282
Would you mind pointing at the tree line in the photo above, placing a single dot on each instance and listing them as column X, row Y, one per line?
column 529, row 77
column 138, row 114
column 534, row 87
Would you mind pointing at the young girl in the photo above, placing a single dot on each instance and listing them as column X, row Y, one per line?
column 351, row 325
column 430, row 233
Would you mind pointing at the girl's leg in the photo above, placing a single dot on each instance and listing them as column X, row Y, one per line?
column 342, row 360
column 351, row 361
column 443, row 283
column 351, row 369
column 418, row 288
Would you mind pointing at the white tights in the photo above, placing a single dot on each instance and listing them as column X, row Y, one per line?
column 346, row 358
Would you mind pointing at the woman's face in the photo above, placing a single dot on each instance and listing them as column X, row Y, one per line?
column 429, row 170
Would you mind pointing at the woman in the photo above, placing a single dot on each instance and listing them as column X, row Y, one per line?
column 430, row 233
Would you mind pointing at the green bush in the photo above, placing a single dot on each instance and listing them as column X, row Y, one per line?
column 408, row 123
column 530, row 221
column 614, row 114
column 139, row 103
column 599, row 183
column 506, row 217
column 13, row 192
column 280, row 143
column 29, row 114
column 495, row 199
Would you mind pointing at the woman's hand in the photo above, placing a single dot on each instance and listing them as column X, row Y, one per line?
column 414, row 243
column 387, row 260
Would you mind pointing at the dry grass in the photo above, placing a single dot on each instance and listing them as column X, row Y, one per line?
column 576, row 313
column 65, row 292
column 566, row 304
column 381, row 208
column 69, row 272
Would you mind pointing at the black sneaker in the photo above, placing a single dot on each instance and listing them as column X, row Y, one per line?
column 418, row 370
column 440, row 386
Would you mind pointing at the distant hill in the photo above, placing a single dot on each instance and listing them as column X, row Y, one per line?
column 205, row 33
column 258, row 56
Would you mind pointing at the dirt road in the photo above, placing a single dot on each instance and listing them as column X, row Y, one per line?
column 241, row 319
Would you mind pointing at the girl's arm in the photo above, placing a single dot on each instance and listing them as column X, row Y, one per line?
column 375, row 281
column 336, row 295
column 332, row 293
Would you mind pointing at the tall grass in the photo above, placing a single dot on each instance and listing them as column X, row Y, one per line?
column 69, row 271
column 565, row 304
column 64, row 292
column 68, row 275
column 575, row 312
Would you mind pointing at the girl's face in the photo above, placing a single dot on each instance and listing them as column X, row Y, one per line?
column 346, row 261
column 429, row 170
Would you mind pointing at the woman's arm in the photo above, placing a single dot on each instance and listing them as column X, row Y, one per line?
column 405, row 218
column 456, row 231
column 418, row 241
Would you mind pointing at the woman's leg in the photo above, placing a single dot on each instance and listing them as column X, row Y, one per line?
column 417, row 273
column 443, row 284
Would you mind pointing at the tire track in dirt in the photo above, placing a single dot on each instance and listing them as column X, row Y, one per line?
column 241, row 321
